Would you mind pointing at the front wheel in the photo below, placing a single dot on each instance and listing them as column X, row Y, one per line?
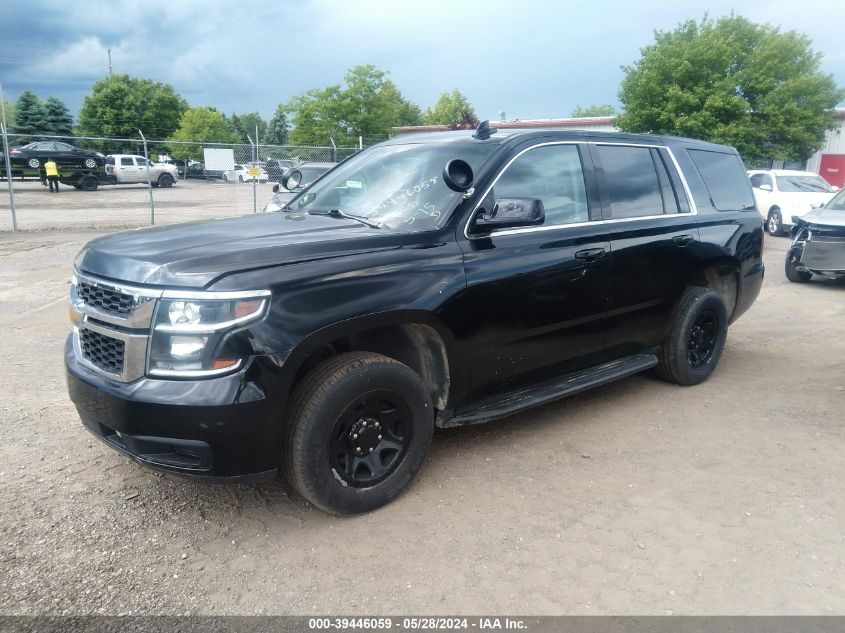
column 165, row 180
column 359, row 428
column 792, row 273
column 694, row 344
column 774, row 224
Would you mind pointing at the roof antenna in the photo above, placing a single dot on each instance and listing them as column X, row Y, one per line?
column 484, row 131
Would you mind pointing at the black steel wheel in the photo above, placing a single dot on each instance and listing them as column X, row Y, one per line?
column 358, row 429
column 89, row 183
column 165, row 180
column 370, row 438
column 701, row 341
column 694, row 344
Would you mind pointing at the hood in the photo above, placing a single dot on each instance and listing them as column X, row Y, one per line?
column 194, row 255
column 825, row 217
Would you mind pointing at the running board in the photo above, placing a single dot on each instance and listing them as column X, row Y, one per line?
column 551, row 390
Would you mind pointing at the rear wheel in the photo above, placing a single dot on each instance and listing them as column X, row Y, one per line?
column 359, row 428
column 694, row 344
column 89, row 183
column 90, row 163
column 774, row 224
column 794, row 275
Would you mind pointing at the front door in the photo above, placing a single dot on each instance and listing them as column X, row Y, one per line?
column 538, row 295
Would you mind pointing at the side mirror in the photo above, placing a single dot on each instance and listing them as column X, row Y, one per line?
column 765, row 187
column 457, row 174
column 291, row 179
column 276, row 188
column 512, row 213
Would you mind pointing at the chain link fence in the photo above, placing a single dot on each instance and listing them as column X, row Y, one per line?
column 106, row 183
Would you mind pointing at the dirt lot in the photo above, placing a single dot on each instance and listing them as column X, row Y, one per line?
column 118, row 206
column 637, row 498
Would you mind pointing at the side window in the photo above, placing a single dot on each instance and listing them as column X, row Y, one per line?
column 725, row 179
column 126, row 160
column 631, row 181
column 552, row 173
column 141, row 162
column 760, row 179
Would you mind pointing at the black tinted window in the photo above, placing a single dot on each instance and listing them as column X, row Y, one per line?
column 725, row 178
column 126, row 160
column 760, row 179
column 631, row 182
column 553, row 174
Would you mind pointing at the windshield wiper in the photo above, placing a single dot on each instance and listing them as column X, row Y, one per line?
column 337, row 213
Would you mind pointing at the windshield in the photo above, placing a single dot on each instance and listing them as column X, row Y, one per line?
column 394, row 185
column 794, row 184
column 837, row 203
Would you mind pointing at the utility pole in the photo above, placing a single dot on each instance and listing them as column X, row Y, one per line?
column 109, row 66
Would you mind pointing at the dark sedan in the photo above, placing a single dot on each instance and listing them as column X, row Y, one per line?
column 818, row 243
column 30, row 158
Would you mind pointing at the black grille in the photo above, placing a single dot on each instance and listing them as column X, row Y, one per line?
column 106, row 300
column 103, row 351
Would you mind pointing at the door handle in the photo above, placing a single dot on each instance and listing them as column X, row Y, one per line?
column 683, row 240
column 590, row 254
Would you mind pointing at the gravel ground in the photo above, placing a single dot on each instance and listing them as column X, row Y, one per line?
column 636, row 498
column 121, row 206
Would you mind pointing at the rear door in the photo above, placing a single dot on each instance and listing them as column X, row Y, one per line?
column 654, row 239
column 538, row 294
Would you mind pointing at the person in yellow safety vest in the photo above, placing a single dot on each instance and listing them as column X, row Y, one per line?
column 52, row 170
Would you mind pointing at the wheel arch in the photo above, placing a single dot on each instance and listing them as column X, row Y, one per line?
column 416, row 338
column 721, row 275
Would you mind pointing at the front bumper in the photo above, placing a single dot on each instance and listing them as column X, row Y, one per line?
column 217, row 429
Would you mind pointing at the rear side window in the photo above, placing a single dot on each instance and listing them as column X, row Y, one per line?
column 725, row 179
column 126, row 160
column 631, row 181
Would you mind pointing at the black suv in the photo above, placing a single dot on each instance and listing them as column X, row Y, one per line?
column 432, row 280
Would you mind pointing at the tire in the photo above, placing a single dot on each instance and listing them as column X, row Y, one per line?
column 90, row 163
column 351, row 403
column 89, row 183
column 165, row 180
column 33, row 163
column 795, row 276
column 774, row 223
column 240, row 178
column 696, row 338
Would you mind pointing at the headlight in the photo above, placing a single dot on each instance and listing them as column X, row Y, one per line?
column 188, row 331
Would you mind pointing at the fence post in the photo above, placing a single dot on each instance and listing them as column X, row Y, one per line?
column 334, row 150
column 149, row 182
column 254, row 166
column 8, row 163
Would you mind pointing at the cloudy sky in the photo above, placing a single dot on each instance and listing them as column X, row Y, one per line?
column 532, row 59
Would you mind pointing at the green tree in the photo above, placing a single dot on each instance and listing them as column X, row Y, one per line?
column 30, row 116
column 10, row 115
column 246, row 126
column 198, row 125
column 594, row 111
column 452, row 109
column 120, row 105
column 369, row 104
column 58, row 118
column 277, row 130
column 735, row 82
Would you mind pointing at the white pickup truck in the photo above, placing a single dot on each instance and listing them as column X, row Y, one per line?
column 130, row 168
